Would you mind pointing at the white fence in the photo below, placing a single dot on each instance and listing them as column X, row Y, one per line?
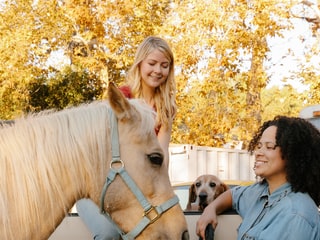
column 187, row 162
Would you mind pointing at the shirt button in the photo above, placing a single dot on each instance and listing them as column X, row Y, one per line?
column 246, row 236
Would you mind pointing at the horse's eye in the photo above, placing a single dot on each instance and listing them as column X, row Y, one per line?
column 156, row 158
column 213, row 184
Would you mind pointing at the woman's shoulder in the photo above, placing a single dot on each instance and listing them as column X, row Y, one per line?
column 254, row 187
column 251, row 192
column 302, row 202
column 299, row 206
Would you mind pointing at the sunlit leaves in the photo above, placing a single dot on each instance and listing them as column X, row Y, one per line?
column 220, row 47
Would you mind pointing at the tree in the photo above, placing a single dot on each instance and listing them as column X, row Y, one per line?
column 28, row 36
column 92, row 35
column 221, row 57
column 221, row 50
column 50, row 93
column 276, row 101
column 310, row 69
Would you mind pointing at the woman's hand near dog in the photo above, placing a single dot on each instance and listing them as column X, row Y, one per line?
column 211, row 212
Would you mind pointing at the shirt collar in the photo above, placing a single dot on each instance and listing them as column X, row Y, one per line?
column 277, row 195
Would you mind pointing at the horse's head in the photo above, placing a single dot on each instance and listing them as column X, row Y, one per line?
column 142, row 159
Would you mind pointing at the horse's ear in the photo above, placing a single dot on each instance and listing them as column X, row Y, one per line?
column 118, row 102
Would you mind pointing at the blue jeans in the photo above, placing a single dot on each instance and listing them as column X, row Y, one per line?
column 99, row 225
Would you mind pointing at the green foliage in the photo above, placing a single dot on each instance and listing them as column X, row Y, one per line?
column 67, row 88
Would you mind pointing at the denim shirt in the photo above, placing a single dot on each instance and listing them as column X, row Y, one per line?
column 282, row 215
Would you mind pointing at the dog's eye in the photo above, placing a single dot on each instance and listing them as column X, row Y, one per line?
column 213, row 184
column 198, row 184
column 155, row 158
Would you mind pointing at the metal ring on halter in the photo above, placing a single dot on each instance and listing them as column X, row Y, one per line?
column 116, row 161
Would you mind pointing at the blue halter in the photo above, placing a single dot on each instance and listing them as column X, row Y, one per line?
column 151, row 213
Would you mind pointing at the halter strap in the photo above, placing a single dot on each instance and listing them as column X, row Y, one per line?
column 151, row 213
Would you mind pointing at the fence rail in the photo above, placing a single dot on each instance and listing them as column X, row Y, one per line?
column 187, row 162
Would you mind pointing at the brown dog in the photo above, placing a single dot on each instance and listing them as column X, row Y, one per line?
column 203, row 191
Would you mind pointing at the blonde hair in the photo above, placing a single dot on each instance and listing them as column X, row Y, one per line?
column 165, row 94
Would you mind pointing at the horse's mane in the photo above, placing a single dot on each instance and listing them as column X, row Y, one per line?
column 41, row 151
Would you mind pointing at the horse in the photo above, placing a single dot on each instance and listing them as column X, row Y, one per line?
column 51, row 159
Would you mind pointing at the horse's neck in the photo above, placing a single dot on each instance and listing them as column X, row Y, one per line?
column 51, row 170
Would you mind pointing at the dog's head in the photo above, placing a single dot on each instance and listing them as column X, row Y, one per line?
column 204, row 190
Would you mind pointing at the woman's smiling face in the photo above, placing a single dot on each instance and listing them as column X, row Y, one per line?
column 268, row 160
column 154, row 69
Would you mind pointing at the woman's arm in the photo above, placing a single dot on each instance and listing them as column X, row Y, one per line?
column 210, row 213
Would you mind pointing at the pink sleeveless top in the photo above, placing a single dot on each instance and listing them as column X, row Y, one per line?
column 128, row 94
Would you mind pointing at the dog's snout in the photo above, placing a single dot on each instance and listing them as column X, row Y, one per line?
column 203, row 196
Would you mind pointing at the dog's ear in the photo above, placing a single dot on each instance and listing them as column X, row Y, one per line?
column 192, row 193
column 192, row 196
column 225, row 187
column 220, row 189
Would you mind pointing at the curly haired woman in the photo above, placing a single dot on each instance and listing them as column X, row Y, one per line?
column 284, row 203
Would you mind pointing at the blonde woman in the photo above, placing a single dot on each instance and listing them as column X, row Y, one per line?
column 151, row 78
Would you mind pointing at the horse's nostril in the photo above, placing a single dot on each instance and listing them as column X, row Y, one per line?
column 185, row 235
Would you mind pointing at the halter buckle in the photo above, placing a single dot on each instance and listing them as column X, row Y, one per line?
column 148, row 214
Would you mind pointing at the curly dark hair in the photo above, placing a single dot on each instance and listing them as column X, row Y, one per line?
column 299, row 142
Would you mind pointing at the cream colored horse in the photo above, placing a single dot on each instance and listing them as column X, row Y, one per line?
column 50, row 160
